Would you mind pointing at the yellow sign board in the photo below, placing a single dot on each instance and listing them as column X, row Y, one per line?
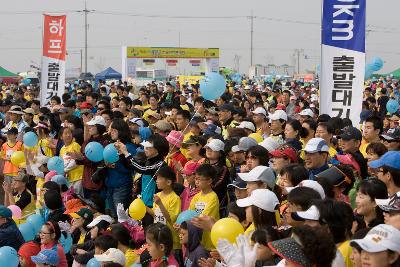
column 171, row 52
column 186, row 79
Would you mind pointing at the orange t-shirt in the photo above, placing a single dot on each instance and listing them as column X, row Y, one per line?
column 6, row 152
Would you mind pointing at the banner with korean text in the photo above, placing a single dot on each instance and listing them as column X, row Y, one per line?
column 342, row 58
column 53, row 57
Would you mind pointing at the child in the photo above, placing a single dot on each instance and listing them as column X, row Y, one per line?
column 159, row 240
column 125, row 243
column 238, row 213
column 206, row 201
column 380, row 247
column 190, row 237
column 7, row 149
column 72, row 170
column 167, row 204
column 175, row 159
column 103, row 243
column 189, row 174
column 265, row 257
column 46, row 258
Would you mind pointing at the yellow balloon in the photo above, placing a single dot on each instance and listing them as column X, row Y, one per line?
column 137, row 209
column 17, row 158
column 226, row 228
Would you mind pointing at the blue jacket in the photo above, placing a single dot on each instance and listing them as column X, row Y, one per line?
column 10, row 235
column 120, row 176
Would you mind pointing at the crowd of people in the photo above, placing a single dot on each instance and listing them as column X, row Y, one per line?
column 308, row 189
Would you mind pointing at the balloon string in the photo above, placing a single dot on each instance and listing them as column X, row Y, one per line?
column 152, row 178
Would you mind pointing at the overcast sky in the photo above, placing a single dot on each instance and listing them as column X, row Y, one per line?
column 280, row 27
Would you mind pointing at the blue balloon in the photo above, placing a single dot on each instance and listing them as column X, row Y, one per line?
column 36, row 221
column 56, row 164
column 377, row 63
column 392, row 106
column 186, row 216
column 110, row 154
column 8, row 257
column 66, row 242
column 93, row 263
column 94, row 151
column 26, row 81
column 27, row 231
column 212, row 86
column 30, row 139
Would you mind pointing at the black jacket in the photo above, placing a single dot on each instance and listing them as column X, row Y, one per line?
column 10, row 235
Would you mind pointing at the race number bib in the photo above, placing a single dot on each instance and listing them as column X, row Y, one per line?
column 159, row 217
column 199, row 207
column 9, row 152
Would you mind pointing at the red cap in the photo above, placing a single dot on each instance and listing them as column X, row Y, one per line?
column 86, row 105
column 27, row 250
column 285, row 151
column 348, row 159
column 190, row 167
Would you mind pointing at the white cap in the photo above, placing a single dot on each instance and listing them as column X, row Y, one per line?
column 310, row 184
column 247, row 125
column 311, row 214
column 99, row 120
column 137, row 121
column 112, row 255
column 315, row 145
column 260, row 110
column 100, row 218
column 215, row 145
column 269, row 144
column 261, row 198
column 146, row 144
column 307, row 112
column 279, row 115
column 260, row 173
column 245, row 143
column 380, row 238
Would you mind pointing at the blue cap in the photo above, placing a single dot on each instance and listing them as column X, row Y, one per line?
column 212, row 129
column 46, row 256
column 389, row 159
column 5, row 212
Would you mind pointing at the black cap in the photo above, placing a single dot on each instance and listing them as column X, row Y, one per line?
column 13, row 130
column 351, row 133
column 238, row 183
column 335, row 176
column 391, row 135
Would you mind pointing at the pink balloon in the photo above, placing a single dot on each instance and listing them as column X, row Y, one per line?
column 49, row 175
column 16, row 211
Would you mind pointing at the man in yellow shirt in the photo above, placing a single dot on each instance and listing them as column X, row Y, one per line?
column 372, row 129
column 167, row 204
column 206, row 201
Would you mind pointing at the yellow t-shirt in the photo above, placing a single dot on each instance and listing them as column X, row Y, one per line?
column 76, row 173
column 81, row 239
column 28, row 210
column 250, row 229
column 363, row 147
column 332, row 151
column 130, row 257
column 206, row 204
column 185, row 138
column 172, row 203
column 345, row 249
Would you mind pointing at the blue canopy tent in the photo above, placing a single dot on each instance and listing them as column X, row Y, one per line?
column 108, row 74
